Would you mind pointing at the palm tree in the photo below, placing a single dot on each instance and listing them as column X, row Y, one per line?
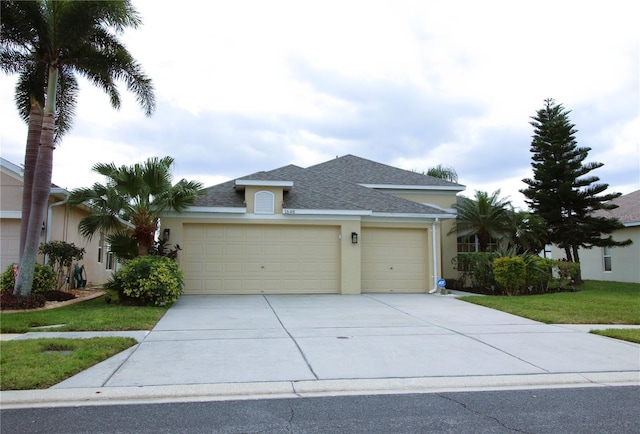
column 529, row 232
column 486, row 216
column 48, row 42
column 138, row 194
column 443, row 172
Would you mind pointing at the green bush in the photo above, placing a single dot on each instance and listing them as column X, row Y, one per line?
column 539, row 272
column 44, row 279
column 475, row 269
column 153, row 280
column 568, row 272
column 510, row 273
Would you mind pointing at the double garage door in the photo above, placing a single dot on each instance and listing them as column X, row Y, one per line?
column 256, row 259
column 269, row 259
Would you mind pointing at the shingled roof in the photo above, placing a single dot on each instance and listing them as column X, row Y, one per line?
column 628, row 211
column 362, row 171
column 319, row 190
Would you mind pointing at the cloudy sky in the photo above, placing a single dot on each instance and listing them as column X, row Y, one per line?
column 246, row 86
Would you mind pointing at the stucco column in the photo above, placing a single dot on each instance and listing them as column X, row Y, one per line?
column 350, row 259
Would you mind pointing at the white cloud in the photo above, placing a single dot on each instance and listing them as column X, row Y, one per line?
column 252, row 85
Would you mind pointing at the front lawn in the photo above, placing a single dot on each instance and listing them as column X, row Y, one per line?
column 41, row 363
column 92, row 315
column 631, row 335
column 595, row 302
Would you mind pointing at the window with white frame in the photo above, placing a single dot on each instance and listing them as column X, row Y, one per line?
column 109, row 259
column 606, row 258
column 470, row 244
column 264, row 202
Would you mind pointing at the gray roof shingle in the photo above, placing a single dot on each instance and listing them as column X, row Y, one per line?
column 628, row 210
column 362, row 171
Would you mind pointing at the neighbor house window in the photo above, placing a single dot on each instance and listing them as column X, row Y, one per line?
column 469, row 244
column 109, row 262
column 263, row 202
column 606, row 258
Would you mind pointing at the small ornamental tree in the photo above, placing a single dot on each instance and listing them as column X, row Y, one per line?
column 61, row 256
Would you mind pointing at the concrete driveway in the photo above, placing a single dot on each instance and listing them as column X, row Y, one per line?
column 365, row 342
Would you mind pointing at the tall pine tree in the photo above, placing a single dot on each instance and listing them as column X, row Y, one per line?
column 561, row 191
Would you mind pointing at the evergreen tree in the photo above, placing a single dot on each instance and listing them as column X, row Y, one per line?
column 562, row 192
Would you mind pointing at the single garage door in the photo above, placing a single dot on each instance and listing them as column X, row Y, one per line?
column 10, row 242
column 394, row 260
column 257, row 259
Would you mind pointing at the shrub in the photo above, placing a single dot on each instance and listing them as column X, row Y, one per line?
column 539, row 272
column 149, row 279
column 44, row 279
column 567, row 272
column 61, row 255
column 475, row 269
column 510, row 273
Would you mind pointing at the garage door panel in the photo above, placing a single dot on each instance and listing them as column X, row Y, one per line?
column 394, row 260
column 260, row 259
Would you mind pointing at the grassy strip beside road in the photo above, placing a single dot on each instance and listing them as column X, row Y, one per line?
column 595, row 303
column 92, row 315
column 41, row 363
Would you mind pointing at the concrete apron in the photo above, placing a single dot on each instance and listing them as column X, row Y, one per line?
column 222, row 347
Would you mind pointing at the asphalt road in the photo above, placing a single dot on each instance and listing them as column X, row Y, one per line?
column 581, row 410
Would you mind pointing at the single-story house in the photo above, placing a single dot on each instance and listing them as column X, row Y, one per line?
column 347, row 226
column 60, row 224
column 616, row 264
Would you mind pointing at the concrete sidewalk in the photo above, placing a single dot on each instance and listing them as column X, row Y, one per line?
column 215, row 347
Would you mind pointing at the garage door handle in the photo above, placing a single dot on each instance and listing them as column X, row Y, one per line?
column 262, row 266
column 391, row 268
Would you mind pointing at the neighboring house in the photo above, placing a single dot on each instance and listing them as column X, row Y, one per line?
column 60, row 224
column 617, row 264
column 347, row 226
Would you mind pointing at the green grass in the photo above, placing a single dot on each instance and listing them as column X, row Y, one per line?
column 92, row 315
column 41, row 363
column 631, row 335
column 595, row 303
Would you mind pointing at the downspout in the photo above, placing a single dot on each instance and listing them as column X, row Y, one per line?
column 434, row 243
column 47, row 237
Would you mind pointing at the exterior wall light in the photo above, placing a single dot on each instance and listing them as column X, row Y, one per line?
column 165, row 234
column 354, row 237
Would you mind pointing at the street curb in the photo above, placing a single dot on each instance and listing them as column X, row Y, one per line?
column 306, row 389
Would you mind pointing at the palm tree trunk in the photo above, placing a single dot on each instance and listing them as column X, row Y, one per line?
column 40, row 191
column 30, row 160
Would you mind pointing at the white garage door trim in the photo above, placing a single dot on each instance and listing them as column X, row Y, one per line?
column 260, row 259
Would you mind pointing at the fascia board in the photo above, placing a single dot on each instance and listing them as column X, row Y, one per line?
column 286, row 185
column 295, row 211
column 401, row 187
column 414, row 215
column 10, row 214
